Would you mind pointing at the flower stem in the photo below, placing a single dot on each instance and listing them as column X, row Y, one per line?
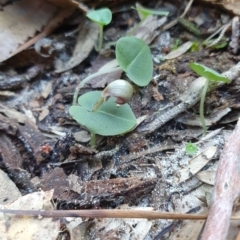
column 134, row 29
column 81, row 84
column 98, row 46
column 98, row 104
column 201, row 108
column 93, row 140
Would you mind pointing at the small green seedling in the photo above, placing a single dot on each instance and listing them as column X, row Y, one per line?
column 216, row 43
column 191, row 148
column 210, row 75
column 134, row 57
column 143, row 13
column 97, row 111
column 102, row 17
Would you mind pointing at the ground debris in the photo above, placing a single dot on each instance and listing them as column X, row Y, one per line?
column 110, row 191
column 10, row 156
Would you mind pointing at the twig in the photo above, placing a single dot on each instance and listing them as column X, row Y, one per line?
column 226, row 189
column 157, row 148
column 106, row 214
column 149, row 214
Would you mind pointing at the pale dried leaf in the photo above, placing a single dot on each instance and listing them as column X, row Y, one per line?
column 28, row 228
column 8, row 190
column 7, row 94
column 43, row 114
column 13, row 114
column 207, row 176
column 189, row 231
column 196, row 164
column 46, row 91
column 180, row 51
column 22, row 20
column 29, row 114
column 130, row 229
column 85, row 43
column 82, row 136
column 197, row 198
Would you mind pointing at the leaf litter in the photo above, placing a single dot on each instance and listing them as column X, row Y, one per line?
column 141, row 169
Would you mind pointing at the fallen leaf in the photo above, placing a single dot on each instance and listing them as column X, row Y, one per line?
column 196, row 164
column 85, row 43
column 28, row 228
column 233, row 6
column 131, row 229
column 43, row 114
column 22, row 20
column 46, row 91
column 180, row 51
column 207, row 176
column 82, row 136
column 8, row 190
column 13, row 114
column 156, row 94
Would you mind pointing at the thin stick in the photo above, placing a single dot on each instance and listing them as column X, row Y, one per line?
column 149, row 214
column 201, row 108
column 105, row 214
column 171, row 24
column 93, row 140
column 98, row 47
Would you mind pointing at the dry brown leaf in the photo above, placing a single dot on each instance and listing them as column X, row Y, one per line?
column 22, row 20
column 233, row 5
column 85, row 43
column 52, row 25
column 156, row 94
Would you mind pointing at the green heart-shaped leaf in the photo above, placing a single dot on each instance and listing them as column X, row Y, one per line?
column 208, row 72
column 101, row 16
column 134, row 57
column 107, row 120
